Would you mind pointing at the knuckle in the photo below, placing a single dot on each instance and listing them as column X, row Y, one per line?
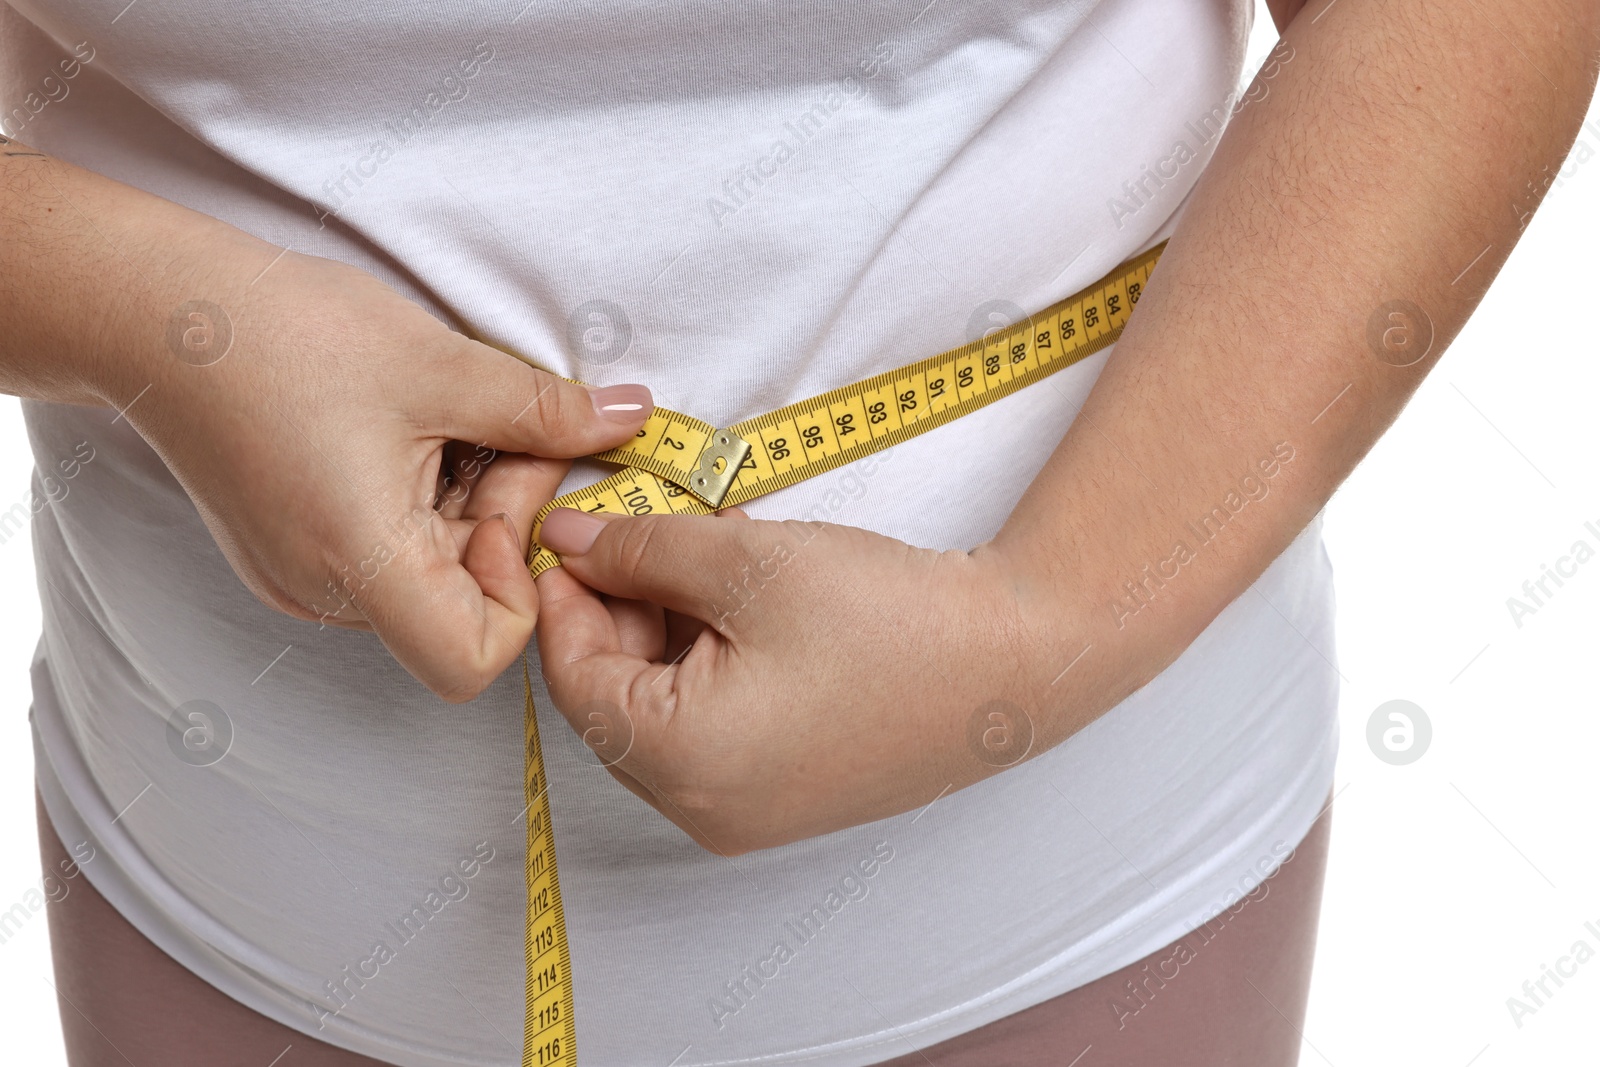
column 281, row 593
column 465, row 679
column 716, row 809
column 551, row 406
column 283, row 603
column 704, row 813
column 462, row 690
column 478, row 664
column 635, row 549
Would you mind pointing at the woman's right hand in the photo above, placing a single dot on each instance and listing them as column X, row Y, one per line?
column 357, row 462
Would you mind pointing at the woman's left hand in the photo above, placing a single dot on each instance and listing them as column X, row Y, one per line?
column 763, row 682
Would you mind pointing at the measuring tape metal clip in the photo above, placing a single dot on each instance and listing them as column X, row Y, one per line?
column 718, row 467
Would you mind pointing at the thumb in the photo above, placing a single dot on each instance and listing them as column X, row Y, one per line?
column 696, row 565
column 485, row 396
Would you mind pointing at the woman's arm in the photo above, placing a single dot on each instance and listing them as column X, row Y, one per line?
column 842, row 677
column 1397, row 158
column 305, row 407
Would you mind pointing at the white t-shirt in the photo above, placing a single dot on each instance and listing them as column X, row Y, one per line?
column 741, row 205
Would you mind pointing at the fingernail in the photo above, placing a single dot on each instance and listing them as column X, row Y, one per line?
column 511, row 531
column 623, row 403
column 570, row 532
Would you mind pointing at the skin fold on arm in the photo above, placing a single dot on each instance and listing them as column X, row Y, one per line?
column 1395, row 159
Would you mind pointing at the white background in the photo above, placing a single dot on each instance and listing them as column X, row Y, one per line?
column 1453, row 879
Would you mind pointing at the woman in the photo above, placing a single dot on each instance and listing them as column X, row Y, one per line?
column 1030, row 799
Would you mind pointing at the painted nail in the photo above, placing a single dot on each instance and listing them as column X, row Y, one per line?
column 623, row 403
column 570, row 532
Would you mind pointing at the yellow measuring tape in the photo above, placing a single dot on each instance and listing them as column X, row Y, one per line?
column 678, row 464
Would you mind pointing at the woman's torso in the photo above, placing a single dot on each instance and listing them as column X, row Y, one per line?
column 740, row 205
